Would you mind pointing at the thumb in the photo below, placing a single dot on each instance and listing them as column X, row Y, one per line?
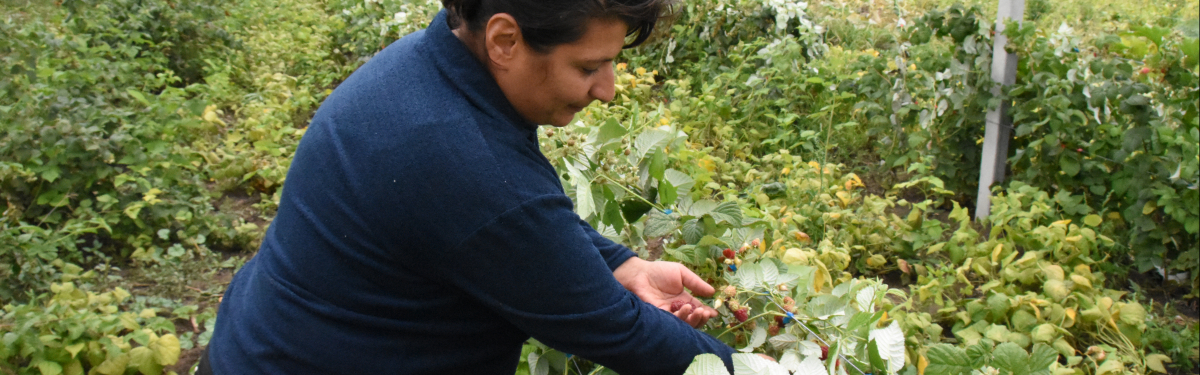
column 695, row 283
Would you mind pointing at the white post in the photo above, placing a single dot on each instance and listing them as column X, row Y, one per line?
column 999, row 123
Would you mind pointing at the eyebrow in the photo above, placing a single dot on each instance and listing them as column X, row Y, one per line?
column 600, row 60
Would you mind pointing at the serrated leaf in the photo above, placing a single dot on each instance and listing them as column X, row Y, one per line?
column 811, row 365
column 890, row 341
column 945, row 359
column 1010, row 357
column 770, row 273
column 756, row 339
column 790, row 360
column 866, row 299
column 750, row 276
column 727, row 212
column 659, row 224
column 693, row 231
column 707, row 364
column 649, row 141
column 1041, row 359
column 873, row 355
column 609, row 131
column 166, row 350
column 537, row 366
column 752, row 364
column 681, row 181
column 1155, row 362
column 783, row 340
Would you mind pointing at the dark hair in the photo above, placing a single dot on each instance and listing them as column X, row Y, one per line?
column 549, row 23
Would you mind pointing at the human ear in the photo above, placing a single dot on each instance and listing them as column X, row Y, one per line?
column 503, row 40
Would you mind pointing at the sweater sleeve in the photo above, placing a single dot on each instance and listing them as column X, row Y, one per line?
column 614, row 254
column 536, row 267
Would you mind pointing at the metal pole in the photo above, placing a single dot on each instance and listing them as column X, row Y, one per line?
column 999, row 123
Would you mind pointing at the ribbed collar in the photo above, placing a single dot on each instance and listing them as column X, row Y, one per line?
column 469, row 75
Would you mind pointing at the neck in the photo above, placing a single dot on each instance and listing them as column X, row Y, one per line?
column 474, row 43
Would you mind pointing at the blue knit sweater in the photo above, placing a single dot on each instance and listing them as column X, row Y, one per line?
column 422, row 231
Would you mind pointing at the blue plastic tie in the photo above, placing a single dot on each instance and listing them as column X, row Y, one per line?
column 790, row 317
column 668, row 211
column 733, row 268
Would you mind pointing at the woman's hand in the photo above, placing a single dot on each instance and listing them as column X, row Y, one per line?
column 662, row 284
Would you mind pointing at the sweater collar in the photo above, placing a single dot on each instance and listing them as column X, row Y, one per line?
column 469, row 75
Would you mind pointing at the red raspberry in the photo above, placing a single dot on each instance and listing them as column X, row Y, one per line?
column 742, row 315
column 779, row 320
column 825, row 352
column 773, row 330
column 675, row 306
column 729, row 254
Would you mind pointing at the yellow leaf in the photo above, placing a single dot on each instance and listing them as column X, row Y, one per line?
column 1155, row 362
column 844, row 197
column 1149, row 207
column 166, row 350
column 820, row 277
column 1073, row 238
column 1082, row 282
column 996, row 252
column 148, row 313
column 922, row 363
column 210, row 115
column 785, row 171
column 1061, row 222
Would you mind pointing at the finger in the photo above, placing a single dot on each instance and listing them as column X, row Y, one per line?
column 698, row 318
column 683, row 312
column 695, row 283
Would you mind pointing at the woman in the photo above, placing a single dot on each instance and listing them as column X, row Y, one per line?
column 421, row 230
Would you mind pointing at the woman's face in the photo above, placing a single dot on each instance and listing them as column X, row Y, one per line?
column 550, row 88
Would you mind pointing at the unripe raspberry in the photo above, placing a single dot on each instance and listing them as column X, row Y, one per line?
column 773, row 330
column 730, row 290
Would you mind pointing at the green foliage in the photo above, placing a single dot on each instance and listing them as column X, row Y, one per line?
column 823, row 146
column 74, row 331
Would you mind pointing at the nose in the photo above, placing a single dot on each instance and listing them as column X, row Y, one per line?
column 603, row 88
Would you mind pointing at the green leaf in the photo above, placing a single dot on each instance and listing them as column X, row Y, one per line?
column 1092, row 220
column 667, row 193
column 727, row 212
column 51, row 173
column 752, row 364
column 49, row 368
column 945, row 359
column 890, row 341
column 166, row 350
column 137, row 95
column 1069, row 164
column 873, row 353
column 659, row 224
column 537, row 366
column 584, row 204
column 1012, row 358
column 707, row 364
column 612, row 216
column 1041, row 359
column 756, row 339
column 693, row 230
column 114, row 365
column 1155, row 362
column 609, row 131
